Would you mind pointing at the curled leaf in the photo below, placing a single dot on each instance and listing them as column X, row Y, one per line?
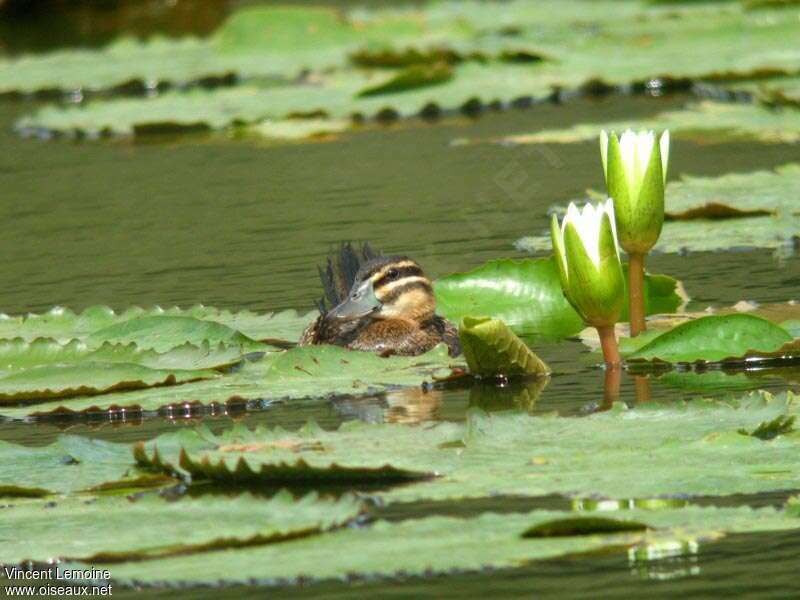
column 492, row 349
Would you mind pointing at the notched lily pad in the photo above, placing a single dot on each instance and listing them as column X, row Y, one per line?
column 491, row 350
column 100, row 531
column 714, row 211
column 578, row 526
column 90, row 379
column 265, row 458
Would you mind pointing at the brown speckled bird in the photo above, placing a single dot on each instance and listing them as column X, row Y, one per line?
column 389, row 308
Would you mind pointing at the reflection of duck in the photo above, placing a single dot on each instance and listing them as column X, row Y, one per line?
column 389, row 308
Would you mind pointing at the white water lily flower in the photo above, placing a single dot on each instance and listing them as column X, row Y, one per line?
column 587, row 254
column 635, row 168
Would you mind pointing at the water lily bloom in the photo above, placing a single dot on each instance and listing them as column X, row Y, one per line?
column 587, row 255
column 635, row 167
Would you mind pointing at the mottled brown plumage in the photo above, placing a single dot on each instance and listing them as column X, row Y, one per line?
column 389, row 309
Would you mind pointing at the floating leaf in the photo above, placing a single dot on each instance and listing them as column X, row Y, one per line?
column 526, row 294
column 303, row 372
column 671, row 449
column 714, row 338
column 708, row 120
column 71, row 464
column 116, row 529
column 64, row 324
column 441, row 545
column 300, row 129
column 90, row 379
column 578, row 526
column 491, row 349
column 276, row 457
column 415, row 76
column 19, row 354
column 764, row 191
column 162, row 333
column 714, row 211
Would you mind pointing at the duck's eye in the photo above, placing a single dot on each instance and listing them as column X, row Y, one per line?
column 392, row 274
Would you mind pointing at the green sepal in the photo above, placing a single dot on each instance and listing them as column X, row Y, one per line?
column 596, row 292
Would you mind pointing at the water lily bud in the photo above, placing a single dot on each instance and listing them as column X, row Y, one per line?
column 635, row 168
column 587, row 255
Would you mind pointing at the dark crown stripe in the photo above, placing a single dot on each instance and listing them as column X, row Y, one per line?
column 402, row 289
column 402, row 273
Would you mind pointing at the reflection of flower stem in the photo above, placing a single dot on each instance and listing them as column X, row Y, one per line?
column 636, row 293
column 608, row 342
column 642, row 385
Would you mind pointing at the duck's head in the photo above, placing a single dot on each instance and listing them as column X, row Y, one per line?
column 388, row 287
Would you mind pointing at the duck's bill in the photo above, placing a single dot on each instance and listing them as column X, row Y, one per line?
column 360, row 303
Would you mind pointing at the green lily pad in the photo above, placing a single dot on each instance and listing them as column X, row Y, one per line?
column 443, row 545
column 310, row 456
column 413, row 77
column 692, row 449
column 64, row 325
column 491, row 349
column 526, row 294
column 71, row 464
column 116, row 529
column 577, row 526
column 707, row 120
column 19, row 354
column 47, row 382
column 303, row 372
column 163, row 333
column 714, row 338
column 771, row 191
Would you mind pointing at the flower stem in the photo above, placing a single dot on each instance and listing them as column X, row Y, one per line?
column 608, row 341
column 636, row 294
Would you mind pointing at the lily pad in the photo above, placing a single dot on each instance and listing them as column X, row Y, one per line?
column 47, row 382
column 304, row 372
column 443, row 545
column 526, row 294
column 310, row 456
column 692, row 449
column 415, row 76
column 714, row 338
column 708, row 120
column 163, row 333
column 71, row 464
column 19, row 354
column 491, row 349
column 772, row 191
column 110, row 529
column 64, row 324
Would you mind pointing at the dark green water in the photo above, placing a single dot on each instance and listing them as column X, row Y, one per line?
column 242, row 225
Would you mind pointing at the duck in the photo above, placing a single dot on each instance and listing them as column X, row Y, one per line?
column 389, row 308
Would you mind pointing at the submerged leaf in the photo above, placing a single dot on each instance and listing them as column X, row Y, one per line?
column 491, row 349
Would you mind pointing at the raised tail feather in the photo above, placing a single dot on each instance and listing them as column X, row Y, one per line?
column 340, row 272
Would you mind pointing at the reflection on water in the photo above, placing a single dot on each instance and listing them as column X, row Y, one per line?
column 663, row 560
